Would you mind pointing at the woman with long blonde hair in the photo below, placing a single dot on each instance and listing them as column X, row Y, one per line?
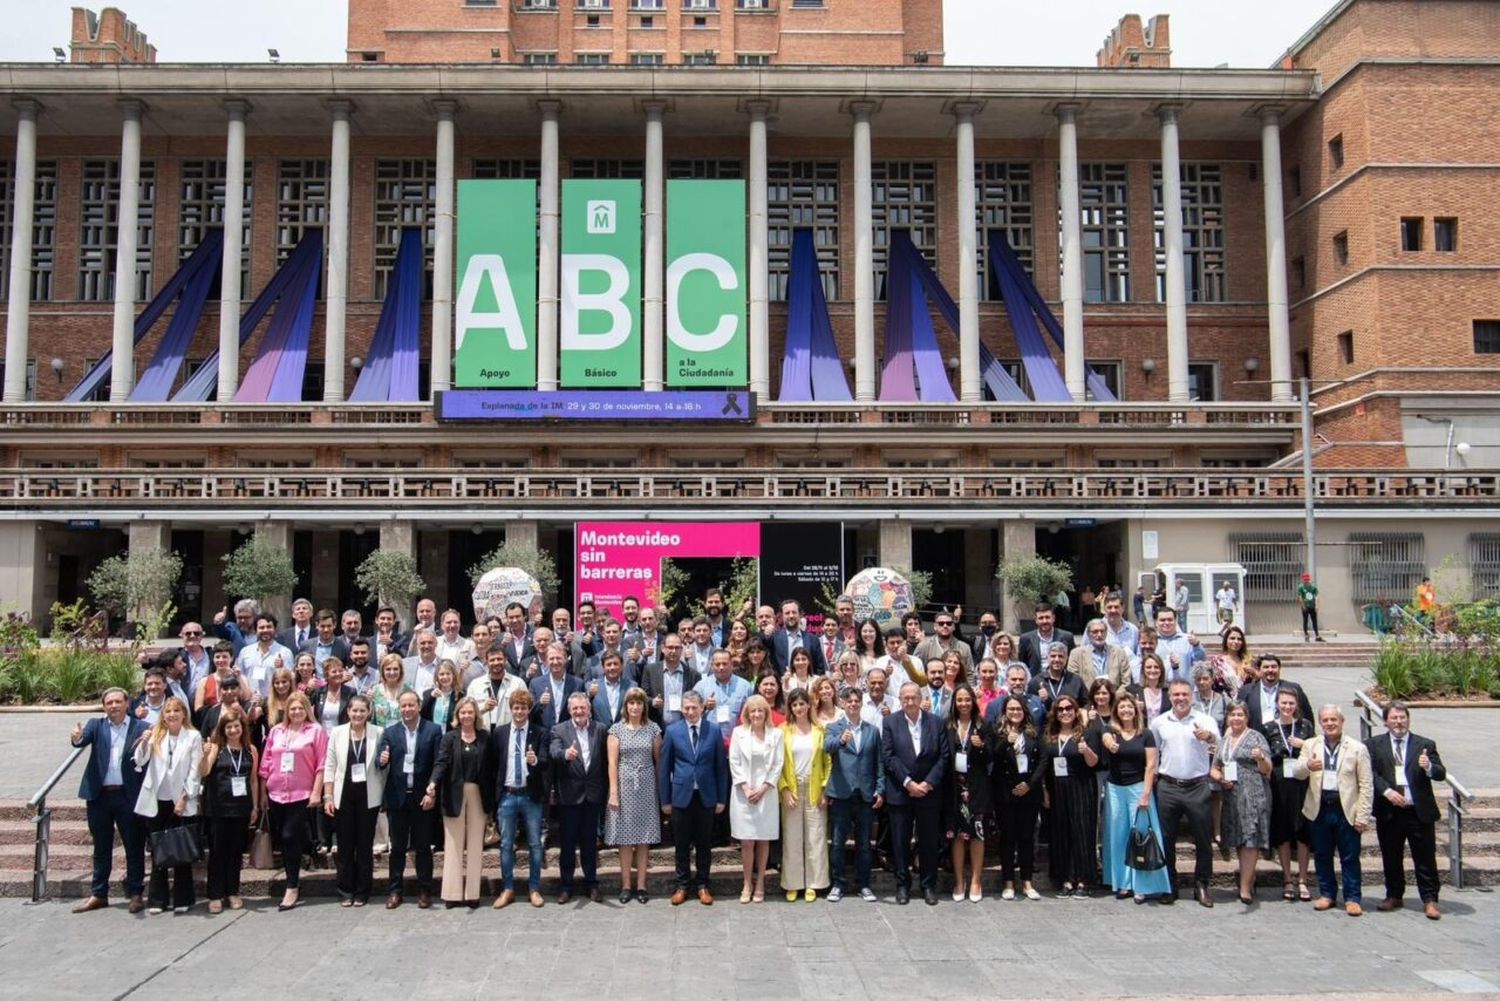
column 168, row 756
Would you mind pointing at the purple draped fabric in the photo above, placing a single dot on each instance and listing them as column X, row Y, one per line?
column 391, row 370
column 276, row 374
column 811, row 368
column 155, row 384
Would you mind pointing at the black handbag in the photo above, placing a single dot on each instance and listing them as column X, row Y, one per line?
column 1145, row 851
column 175, row 846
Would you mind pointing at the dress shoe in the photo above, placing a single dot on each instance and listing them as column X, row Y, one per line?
column 1322, row 904
column 902, row 896
column 91, row 904
column 1389, row 904
column 679, row 896
column 393, row 901
column 931, row 897
column 704, row 897
column 536, row 898
column 1432, row 912
column 1203, row 896
column 137, row 904
column 564, row 897
column 424, row 899
column 505, row 899
column 595, row 895
column 642, row 896
column 1353, row 909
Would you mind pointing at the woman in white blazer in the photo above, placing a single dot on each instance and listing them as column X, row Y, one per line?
column 353, row 783
column 756, row 758
column 168, row 756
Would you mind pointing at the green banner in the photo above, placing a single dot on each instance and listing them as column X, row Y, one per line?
column 495, row 308
column 599, row 284
column 707, row 340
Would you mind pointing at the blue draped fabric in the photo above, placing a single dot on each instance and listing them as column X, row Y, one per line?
column 908, row 326
column 1047, row 383
column 96, row 376
column 391, row 370
column 811, row 368
column 155, row 384
column 276, row 373
column 308, row 254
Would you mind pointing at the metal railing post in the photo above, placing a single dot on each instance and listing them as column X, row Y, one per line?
column 39, row 864
column 1455, row 840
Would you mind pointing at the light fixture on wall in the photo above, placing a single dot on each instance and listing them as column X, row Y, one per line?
column 1462, row 450
column 952, row 363
column 275, row 55
column 356, row 363
column 1252, row 365
column 1148, row 365
column 57, row 368
column 58, row 54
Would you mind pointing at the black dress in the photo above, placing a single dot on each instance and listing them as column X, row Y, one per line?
column 966, row 804
column 1074, row 813
column 1287, row 822
column 228, row 819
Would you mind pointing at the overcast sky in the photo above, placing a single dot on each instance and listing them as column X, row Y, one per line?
column 983, row 32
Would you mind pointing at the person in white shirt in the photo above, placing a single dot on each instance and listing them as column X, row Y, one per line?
column 263, row 658
column 169, row 756
column 1120, row 630
column 421, row 670
column 493, row 691
column 879, row 703
column 1226, row 600
column 1185, row 741
column 898, row 663
column 453, row 645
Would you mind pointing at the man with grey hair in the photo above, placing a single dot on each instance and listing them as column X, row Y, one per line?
column 421, row 670
column 1097, row 657
column 1055, row 680
column 1337, row 806
column 693, row 779
column 302, row 629
column 1185, row 741
column 240, row 631
column 110, row 785
column 580, row 763
column 914, row 755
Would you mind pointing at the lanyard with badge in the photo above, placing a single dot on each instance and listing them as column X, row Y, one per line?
column 671, row 683
column 1289, row 763
column 1231, row 767
column 961, row 756
column 1331, row 768
column 1398, row 752
column 239, row 784
column 721, row 708
column 357, row 759
column 1060, row 762
column 1023, row 760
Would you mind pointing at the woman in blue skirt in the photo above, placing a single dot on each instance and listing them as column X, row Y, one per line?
column 1130, row 752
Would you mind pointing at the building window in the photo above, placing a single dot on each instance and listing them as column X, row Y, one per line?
column 1202, row 232
column 100, row 392
column 1386, row 566
column 1003, row 203
column 753, row 59
column 100, row 235
column 1445, row 235
column 1336, row 151
column 700, row 22
column 705, row 58
column 802, row 194
column 1111, row 372
column 1484, row 565
column 30, row 378
column 493, row 169
column 404, row 194
column 481, row 3
column 1346, row 347
column 43, row 227
column 539, row 58
column 1487, row 337
column 601, row 169
column 648, row 21
column 1104, row 204
column 538, row 4
column 593, row 4
column 1411, row 233
column 301, row 202
column 1341, row 246
column 592, row 59
column 724, row 169
column 592, row 21
column 1273, row 563
column 1299, row 272
column 647, row 4
column 807, row 3
column 369, row 57
column 202, row 209
column 904, row 196
column 647, row 58
column 1203, row 381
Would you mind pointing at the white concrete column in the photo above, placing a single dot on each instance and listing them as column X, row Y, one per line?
column 864, row 257
column 233, row 253
column 653, row 258
column 336, row 288
column 547, row 251
column 1072, row 252
column 18, row 309
column 442, row 252
column 281, row 535
column 1171, row 202
column 969, row 383
column 760, row 255
column 895, row 543
column 122, row 370
column 1277, row 319
column 400, row 537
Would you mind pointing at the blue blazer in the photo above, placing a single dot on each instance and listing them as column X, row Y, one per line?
column 781, row 653
column 550, row 715
column 97, row 736
column 853, row 774
column 429, row 740
column 901, row 762
column 600, row 703
column 680, row 767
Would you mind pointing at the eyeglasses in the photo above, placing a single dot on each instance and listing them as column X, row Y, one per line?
column 1066, row 709
column 187, row 633
column 948, row 623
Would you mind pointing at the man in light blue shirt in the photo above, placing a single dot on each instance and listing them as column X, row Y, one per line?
column 1119, row 630
column 1179, row 651
column 724, row 692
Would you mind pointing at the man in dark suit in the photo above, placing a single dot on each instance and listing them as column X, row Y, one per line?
column 855, row 790
column 666, row 681
column 409, row 749
column 580, row 763
column 325, row 641
column 792, row 635
column 550, row 691
column 517, row 640
column 514, row 786
column 301, row 630
column 607, row 690
column 1260, row 698
column 914, row 753
column 109, row 789
column 148, row 705
column 694, row 783
column 1033, row 643
column 1404, row 766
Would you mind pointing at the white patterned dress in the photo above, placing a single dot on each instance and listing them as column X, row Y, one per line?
column 638, row 820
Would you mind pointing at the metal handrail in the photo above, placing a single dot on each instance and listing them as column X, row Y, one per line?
column 1458, row 793
column 1403, row 614
column 42, row 817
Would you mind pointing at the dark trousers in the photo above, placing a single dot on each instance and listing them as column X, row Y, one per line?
column 1309, row 615
column 180, row 876
column 355, row 829
column 107, row 813
column 579, row 843
column 1191, row 804
column 1329, row 832
column 289, row 821
column 693, row 832
column 1394, row 832
column 1017, row 839
column 927, row 821
column 411, row 829
column 227, row 837
column 859, row 815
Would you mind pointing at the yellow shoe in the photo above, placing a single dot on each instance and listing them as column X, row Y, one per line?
column 791, row 896
column 810, row 895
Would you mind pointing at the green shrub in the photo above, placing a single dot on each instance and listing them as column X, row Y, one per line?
column 117, row 671
column 1428, row 672
column 72, row 675
column 1392, row 670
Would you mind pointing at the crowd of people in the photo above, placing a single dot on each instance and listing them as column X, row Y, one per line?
column 333, row 746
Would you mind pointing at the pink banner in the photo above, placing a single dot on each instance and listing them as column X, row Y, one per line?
column 616, row 559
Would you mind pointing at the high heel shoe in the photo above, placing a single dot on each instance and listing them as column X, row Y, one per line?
column 745, row 895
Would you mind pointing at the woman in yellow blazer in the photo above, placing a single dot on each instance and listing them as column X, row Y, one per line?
column 804, row 808
column 1338, row 805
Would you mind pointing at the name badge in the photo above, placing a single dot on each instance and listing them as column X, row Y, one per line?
column 239, row 785
column 1060, row 767
column 1023, row 763
column 288, row 761
column 409, row 764
column 1330, row 780
column 1402, row 779
column 961, row 762
column 357, row 772
column 1288, row 768
column 674, row 703
column 721, row 714
column 1231, row 771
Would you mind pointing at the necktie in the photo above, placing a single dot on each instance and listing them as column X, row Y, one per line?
column 519, row 762
column 693, row 737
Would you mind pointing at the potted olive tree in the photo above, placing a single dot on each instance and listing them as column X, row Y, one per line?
column 390, row 577
column 260, row 570
column 1031, row 580
column 137, row 586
